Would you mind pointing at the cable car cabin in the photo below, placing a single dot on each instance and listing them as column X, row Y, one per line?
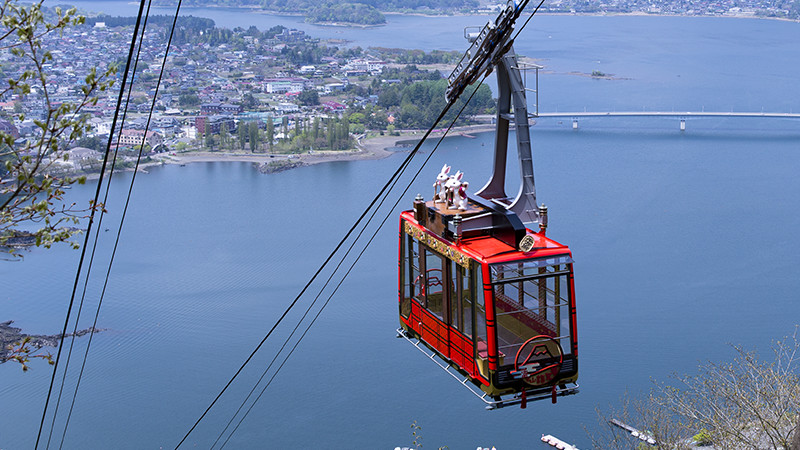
column 494, row 300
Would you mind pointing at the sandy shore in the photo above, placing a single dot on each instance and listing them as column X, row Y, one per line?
column 369, row 148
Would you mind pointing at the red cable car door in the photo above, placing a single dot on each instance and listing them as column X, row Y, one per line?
column 435, row 295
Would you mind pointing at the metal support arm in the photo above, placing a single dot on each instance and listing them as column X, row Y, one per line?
column 511, row 93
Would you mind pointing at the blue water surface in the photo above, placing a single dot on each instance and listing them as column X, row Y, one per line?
column 683, row 242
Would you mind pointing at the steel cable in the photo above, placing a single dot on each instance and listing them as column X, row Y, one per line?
column 127, row 200
column 383, row 222
column 91, row 220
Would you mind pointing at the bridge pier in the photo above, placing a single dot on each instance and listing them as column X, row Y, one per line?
column 683, row 124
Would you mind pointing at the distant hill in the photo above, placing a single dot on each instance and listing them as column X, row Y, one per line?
column 362, row 12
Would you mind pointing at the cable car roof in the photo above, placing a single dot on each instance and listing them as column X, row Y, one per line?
column 492, row 250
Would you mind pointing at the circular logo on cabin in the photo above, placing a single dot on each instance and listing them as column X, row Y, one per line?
column 538, row 360
column 526, row 243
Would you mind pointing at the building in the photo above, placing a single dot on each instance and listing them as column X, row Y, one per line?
column 363, row 67
column 214, row 108
column 8, row 128
column 134, row 138
column 333, row 106
column 286, row 85
column 213, row 124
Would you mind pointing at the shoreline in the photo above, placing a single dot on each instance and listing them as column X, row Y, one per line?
column 366, row 149
column 258, row 10
column 371, row 148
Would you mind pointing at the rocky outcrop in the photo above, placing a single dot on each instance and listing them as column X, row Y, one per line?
column 10, row 335
column 279, row 166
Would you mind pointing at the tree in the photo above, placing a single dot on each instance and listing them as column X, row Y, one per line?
column 747, row 403
column 308, row 97
column 254, row 136
column 270, row 132
column 241, row 133
column 188, row 100
column 32, row 185
column 249, row 101
column 22, row 352
column 208, row 138
column 224, row 136
column 315, row 129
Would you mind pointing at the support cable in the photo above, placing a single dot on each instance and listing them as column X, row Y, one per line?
column 328, row 259
column 319, row 312
column 94, row 249
column 354, row 262
column 526, row 20
column 91, row 220
column 127, row 201
column 319, row 270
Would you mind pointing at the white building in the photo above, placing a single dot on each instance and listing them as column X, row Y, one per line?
column 286, row 85
column 363, row 66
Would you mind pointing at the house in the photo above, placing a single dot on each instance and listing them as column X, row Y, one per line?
column 285, row 85
column 220, row 108
column 8, row 128
column 362, row 66
column 134, row 137
column 213, row 124
column 287, row 107
column 333, row 106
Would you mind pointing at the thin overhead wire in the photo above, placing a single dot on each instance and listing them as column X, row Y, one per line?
column 127, row 200
column 391, row 182
column 316, row 274
column 352, row 265
column 524, row 24
column 90, row 265
column 89, row 225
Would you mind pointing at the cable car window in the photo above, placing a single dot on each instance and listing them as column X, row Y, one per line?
column 409, row 271
column 434, row 290
column 479, row 325
column 468, row 290
column 461, row 298
column 455, row 296
column 531, row 299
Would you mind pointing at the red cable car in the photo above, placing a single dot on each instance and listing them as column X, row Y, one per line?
column 488, row 296
column 502, row 315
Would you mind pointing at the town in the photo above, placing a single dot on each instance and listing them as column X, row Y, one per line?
column 277, row 91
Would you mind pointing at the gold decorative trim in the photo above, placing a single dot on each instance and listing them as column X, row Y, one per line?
column 436, row 245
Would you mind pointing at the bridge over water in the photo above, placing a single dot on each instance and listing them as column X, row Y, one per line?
column 679, row 115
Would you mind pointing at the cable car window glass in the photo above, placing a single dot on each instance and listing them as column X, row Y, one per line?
column 468, row 289
column 531, row 299
column 461, row 298
column 409, row 273
column 518, row 269
column 435, row 283
column 455, row 296
column 480, row 314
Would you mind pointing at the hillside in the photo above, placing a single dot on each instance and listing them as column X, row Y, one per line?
column 363, row 12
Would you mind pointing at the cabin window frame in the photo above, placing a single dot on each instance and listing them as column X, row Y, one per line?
column 453, row 276
column 561, row 308
column 409, row 272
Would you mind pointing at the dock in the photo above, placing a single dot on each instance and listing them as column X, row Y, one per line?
column 557, row 443
column 638, row 434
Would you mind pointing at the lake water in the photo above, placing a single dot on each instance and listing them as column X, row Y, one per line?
column 683, row 242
